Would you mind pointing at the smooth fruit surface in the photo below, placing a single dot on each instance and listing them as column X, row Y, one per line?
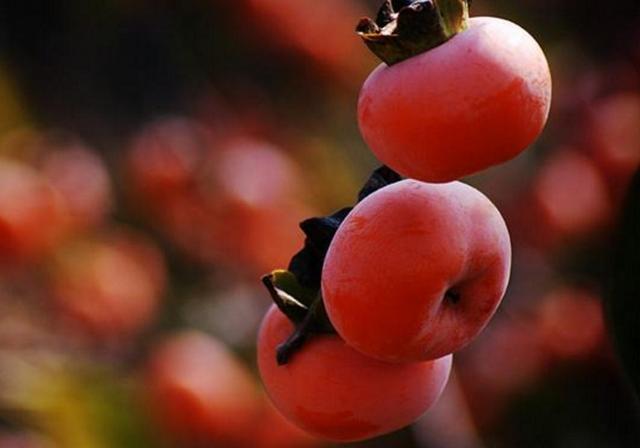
column 473, row 102
column 416, row 270
column 334, row 392
column 273, row 430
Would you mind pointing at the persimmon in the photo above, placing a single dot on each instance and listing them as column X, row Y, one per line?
column 570, row 195
column 109, row 287
column 200, row 393
column 32, row 217
column 82, row 179
column 333, row 392
column 416, row 270
column 473, row 101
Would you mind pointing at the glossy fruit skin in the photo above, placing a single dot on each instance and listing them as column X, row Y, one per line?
column 398, row 254
column 335, row 393
column 475, row 101
column 273, row 430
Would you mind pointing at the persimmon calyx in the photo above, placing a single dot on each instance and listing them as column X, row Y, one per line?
column 293, row 299
column 406, row 28
column 306, row 265
column 316, row 321
column 296, row 291
column 303, row 307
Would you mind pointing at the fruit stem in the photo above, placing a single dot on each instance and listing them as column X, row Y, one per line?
column 302, row 332
column 296, row 291
column 406, row 28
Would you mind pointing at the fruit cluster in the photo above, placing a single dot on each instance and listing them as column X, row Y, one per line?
column 367, row 315
column 100, row 284
column 216, row 196
column 82, row 291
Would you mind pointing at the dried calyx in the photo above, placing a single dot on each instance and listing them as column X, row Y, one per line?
column 296, row 291
column 406, row 28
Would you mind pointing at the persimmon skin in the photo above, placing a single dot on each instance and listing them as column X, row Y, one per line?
column 475, row 101
column 416, row 270
column 335, row 393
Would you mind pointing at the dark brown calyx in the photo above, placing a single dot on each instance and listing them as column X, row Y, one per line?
column 296, row 291
column 304, row 308
column 406, row 28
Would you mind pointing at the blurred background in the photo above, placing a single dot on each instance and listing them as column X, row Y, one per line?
column 155, row 160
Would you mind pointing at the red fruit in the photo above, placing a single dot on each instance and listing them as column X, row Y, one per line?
column 31, row 218
column 164, row 158
column 507, row 359
column 194, row 228
column 571, row 196
column 319, row 30
column 475, row 101
column 253, row 173
column 449, row 424
column 200, row 393
column 257, row 195
column 571, row 324
column 110, row 288
column 236, row 206
column 614, row 134
column 275, row 431
column 416, row 270
column 335, row 393
column 83, row 182
column 272, row 236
